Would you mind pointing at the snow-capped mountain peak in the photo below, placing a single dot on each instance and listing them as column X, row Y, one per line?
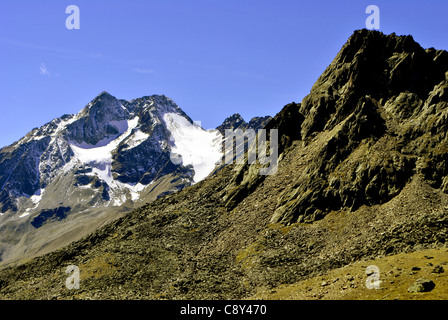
column 111, row 150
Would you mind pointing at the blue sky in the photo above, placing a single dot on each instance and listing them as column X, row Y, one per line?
column 212, row 57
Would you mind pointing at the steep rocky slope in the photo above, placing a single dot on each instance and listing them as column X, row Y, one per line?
column 361, row 175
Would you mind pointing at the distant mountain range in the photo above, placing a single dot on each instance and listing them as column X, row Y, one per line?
column 112, row 154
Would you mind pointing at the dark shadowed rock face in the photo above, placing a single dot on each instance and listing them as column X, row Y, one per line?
column 235, row 121
column 49, row 215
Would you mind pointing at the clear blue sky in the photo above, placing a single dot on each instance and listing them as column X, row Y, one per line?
column 212, row 57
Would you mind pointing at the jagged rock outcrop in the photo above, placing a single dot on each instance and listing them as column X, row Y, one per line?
column 236, row 121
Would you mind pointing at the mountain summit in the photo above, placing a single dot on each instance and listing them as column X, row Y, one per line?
column 380, row 106
column 114, row 147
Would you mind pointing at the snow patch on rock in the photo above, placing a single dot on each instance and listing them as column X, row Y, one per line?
column 198, row 147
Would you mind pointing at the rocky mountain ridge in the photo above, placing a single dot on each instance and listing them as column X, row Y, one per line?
column 380, row 98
